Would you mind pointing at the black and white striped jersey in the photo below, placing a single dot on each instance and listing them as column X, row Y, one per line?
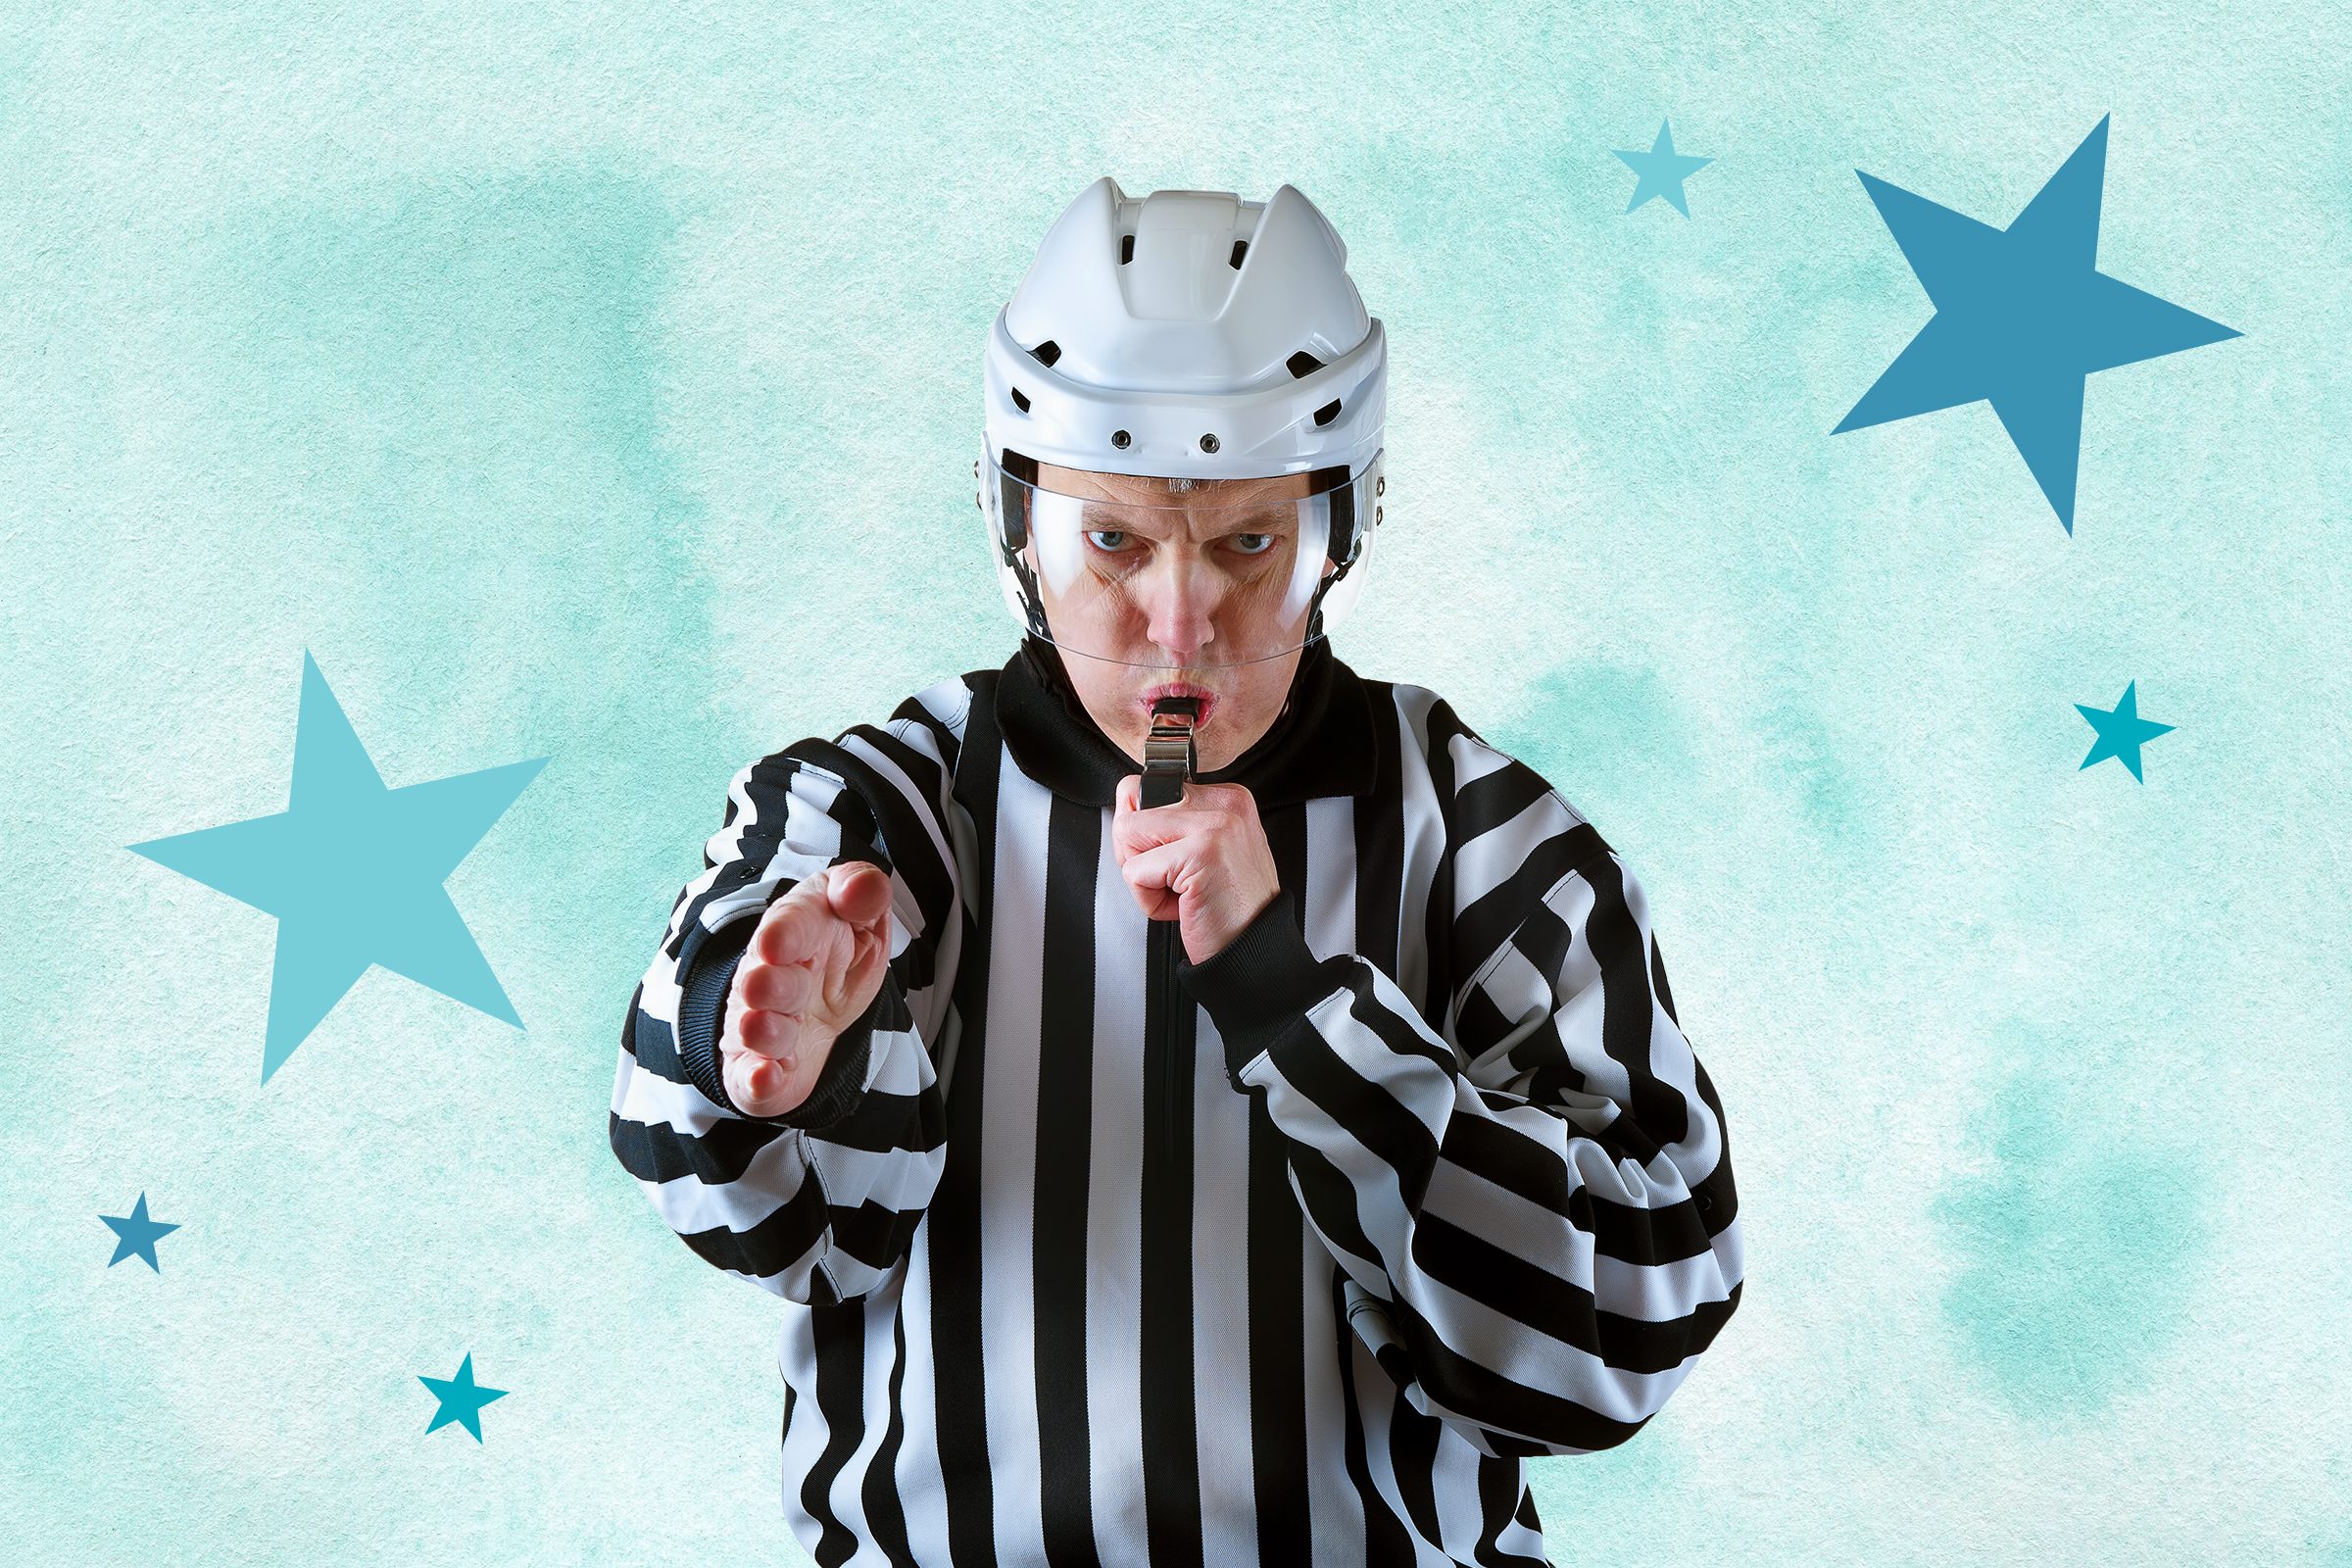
column 1089, row 1255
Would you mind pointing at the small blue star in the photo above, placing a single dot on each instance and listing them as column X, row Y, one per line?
column 2023, row 316
column 138, row 1235
column 1663, row 171
column 462, row 1399
column 352, row 872
column 2122, row 731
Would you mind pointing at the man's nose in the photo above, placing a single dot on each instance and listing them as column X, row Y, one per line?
column 1180, row 597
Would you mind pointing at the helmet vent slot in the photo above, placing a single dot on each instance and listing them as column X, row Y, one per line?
column 1126, row 249
column 1046, row 351
column 1302, row 363
column 1327, row 411
column 1018, row 401
column 1240, row 248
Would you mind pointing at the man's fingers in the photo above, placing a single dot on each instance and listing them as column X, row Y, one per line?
column 771, row 1034
column 778, row 987
column 1133, row 828
column 1151, row 867
column 793, row 928
column 1149, row 875
column 753, row 1082
column 798, row 927
column 812, row 963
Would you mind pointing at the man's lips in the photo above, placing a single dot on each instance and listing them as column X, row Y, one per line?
column 1180, row 688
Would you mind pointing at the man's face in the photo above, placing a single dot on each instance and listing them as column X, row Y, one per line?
column 1188, row 557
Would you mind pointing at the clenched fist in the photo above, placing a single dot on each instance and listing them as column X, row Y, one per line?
column 1201, row 861
column 811, row 968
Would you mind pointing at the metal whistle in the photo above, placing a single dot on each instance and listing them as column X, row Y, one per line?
column 1168, row 754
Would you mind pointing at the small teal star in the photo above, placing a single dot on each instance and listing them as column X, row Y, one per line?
column 462, row 1399
column 2122, row 731
column 352, row 872
column 138, row 1235
column 2023, row 316
column 1663, row 171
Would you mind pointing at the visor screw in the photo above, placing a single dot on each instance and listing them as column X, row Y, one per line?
column 1208, row 443
column 1380, row 484
column 1375, row 515
column 1121, row 439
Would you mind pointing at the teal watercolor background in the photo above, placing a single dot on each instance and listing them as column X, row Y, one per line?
column 601, row 382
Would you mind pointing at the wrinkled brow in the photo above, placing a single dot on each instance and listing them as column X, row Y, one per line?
column 1213, row 522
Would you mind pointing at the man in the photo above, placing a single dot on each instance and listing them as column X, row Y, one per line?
column 1260, row 1177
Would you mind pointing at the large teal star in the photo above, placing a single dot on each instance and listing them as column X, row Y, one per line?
column 462, row 1399
column 1663, row 171
column 136, row 1234
column 2122, row 731
column 352, row 872
column 2023, row 316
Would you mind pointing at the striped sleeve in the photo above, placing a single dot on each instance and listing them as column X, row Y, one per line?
column 1533, row 1205
column 817, row 1205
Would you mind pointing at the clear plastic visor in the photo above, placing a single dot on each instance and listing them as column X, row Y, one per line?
column 1172, row 573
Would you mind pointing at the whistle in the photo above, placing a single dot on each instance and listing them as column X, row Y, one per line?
column 1168, row 754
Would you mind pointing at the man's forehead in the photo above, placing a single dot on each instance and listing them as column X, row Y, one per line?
column 1133, row 487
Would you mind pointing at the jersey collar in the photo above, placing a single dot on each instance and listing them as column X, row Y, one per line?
column 1322, row 744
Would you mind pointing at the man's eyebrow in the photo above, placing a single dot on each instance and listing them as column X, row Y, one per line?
column 1264, row 511
column 1250, row 516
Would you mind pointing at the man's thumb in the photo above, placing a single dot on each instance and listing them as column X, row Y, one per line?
column 860, row 892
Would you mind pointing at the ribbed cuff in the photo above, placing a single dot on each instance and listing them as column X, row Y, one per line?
column 1260, row 984
column 702, row 1005
column 840, row 1084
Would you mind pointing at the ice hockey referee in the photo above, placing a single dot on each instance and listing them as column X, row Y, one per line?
column 1197, row 1104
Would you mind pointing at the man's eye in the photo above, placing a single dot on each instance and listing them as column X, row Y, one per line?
column 1116, row 536
column 1261, row 549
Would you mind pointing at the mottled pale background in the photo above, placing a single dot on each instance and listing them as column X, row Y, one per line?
column 602, row 382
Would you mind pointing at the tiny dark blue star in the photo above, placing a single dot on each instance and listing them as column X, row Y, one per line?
column 137, row 1235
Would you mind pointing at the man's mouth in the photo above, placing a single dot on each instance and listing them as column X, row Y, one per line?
column 1180, row 688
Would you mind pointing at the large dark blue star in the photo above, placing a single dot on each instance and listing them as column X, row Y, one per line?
column 2022, row 315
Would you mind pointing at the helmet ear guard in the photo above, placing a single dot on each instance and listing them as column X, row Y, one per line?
column 1011, row 521
column 1014, row 481
column 1339, row 546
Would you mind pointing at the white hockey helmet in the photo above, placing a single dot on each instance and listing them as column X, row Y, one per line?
column 1155, row 346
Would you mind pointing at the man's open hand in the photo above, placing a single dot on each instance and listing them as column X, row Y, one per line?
column 811, row 968
column 1202, row 862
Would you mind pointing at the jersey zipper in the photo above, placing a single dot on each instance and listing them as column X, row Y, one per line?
column 1176, row 1082
column 1165, row 1110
